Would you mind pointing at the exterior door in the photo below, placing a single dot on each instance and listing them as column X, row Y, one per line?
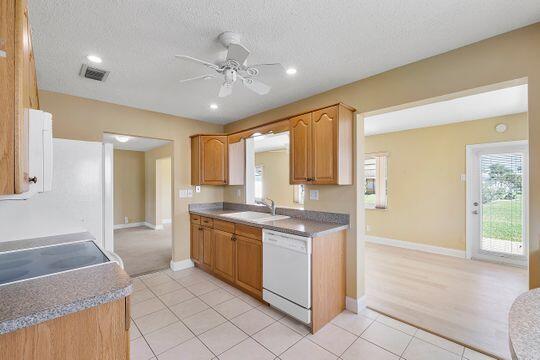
column 497, row 202
column 224, row 251
column 249, row 264
column 214, row 160
column 324, row 128
column 300, row 149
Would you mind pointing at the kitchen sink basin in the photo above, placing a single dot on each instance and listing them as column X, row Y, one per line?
column 255, row 216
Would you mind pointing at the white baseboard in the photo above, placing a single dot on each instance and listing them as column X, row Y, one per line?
column 415, row 246
column 166, row 221
column 181, row 265
column 355, row 305
column 152, row 226
column 128, row 225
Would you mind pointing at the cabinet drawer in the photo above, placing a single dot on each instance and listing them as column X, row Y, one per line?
column 195, row 219
column 207, row 221
column 249, row 231
column 224, row 226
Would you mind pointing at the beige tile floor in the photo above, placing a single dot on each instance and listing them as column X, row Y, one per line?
column 191, row 315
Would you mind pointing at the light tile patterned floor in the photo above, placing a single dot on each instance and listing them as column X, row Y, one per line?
column 191, row 315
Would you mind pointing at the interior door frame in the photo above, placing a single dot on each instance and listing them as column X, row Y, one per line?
column 471, row 152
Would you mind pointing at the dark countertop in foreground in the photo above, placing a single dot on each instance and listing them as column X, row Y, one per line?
column 292, row 225
column 524, row 326
column 33, row 301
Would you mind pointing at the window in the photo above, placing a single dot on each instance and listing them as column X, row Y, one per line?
column 259, row 182
column 375, row 195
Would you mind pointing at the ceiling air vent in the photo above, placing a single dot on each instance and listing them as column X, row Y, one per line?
column 93, row 73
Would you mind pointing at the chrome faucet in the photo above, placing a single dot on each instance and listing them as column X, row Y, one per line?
column 271, row 206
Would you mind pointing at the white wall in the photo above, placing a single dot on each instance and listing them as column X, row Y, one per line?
column 73, row 205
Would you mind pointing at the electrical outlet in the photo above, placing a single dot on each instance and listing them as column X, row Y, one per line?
column 238, row 193
column 126, row 220
column 313, row 194
column 198, row 189
column 368, row 228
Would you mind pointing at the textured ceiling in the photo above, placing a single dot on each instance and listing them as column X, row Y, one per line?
column 331, row 43
column 500, row 102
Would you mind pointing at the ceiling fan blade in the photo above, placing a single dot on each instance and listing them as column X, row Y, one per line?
column 225, row 90
column 204, row 77
column 198, row 61
column 256, row 86
column 237, row 52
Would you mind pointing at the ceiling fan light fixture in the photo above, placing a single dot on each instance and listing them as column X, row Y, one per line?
column 213, row 106
column 291, row 71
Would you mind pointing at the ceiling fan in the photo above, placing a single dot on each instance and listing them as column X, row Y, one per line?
column 234, row 67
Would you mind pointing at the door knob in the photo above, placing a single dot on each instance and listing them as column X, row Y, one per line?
column 475, row 203
column 475, row 212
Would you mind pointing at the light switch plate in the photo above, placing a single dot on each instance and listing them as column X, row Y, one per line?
column 189, row 193
column 183, row 193
column 198, row 189
column 313, row 194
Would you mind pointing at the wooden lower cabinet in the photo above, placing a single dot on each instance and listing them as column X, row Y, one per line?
column 196, row 244
column 249, row 264
column 97, row 333
column 224, row 251
column 208, row 247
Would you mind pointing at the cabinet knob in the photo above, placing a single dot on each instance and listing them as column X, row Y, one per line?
column 233, row 238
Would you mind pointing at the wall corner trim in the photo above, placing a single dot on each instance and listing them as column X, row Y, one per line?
column 152, row 226
column 415, row 246
column 181, row 265
column 355, row 305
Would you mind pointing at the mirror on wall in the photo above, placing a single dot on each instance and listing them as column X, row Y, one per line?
column 267, row 171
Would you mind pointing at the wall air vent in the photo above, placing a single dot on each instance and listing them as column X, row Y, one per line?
column 93, row 73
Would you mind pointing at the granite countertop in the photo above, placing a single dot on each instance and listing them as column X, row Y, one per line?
column 36, row 300
column 524, row 326
column 293, row 225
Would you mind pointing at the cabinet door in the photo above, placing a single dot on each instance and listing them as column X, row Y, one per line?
column 224, row 251
column 195, row 248
column 214, row 167
column 324, row 135
column 7, row 91
column 208, row 248
column 300, row 149
column 249, row 264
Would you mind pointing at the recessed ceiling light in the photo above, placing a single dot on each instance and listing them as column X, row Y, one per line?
column 291, row 71
column 94, row 59
column 213, row 106
column 122, row 138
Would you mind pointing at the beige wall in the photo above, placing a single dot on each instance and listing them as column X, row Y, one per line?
column 84, row 119
column 506, row 57
column 426, row 196
column 276, row 177
column 163, row 189
column 128, row 186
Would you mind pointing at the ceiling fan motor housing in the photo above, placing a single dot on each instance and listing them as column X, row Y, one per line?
column 229, row 37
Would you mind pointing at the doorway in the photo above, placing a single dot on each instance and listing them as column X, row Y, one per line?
column 142, row 202
column 497, row 202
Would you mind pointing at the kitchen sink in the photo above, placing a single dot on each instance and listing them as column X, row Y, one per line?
column 255, row 216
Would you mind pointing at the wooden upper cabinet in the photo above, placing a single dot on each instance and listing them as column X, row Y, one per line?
column 209, row 160
column 300, row 145
column 324, row 159
column 18, row 94
column 322, row 147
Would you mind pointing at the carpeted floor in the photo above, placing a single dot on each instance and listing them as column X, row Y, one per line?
column 144, row 250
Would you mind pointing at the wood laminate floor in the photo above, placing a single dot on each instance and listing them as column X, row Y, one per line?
column 463, row 300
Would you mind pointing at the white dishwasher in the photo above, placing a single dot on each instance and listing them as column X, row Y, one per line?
column 287, row 273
